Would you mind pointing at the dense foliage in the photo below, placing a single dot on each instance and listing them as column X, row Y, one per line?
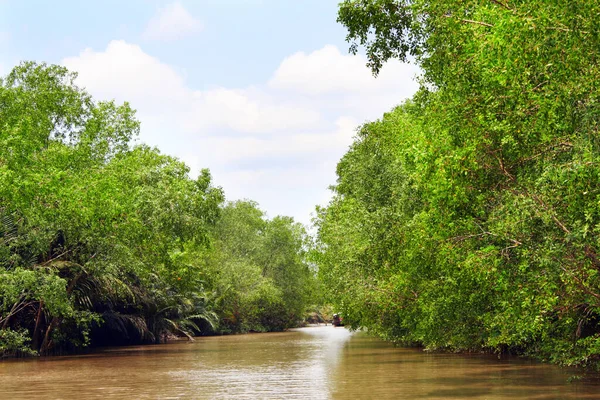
column 257, row 270
column 105, row 242
column 469, row 217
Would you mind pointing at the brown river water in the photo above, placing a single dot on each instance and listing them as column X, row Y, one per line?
column 309, row 363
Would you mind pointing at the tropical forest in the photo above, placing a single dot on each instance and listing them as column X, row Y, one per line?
column 468, row 218
column 464, row 220
column 103, row 242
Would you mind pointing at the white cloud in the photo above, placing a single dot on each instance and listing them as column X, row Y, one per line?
column 126, row 73
column 293, row 191
column 303, row 145
column 172, row 22
column 249, row 112
column 329, row 71
column 276, row 142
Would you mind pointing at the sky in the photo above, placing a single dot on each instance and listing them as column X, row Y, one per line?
column 262, row 92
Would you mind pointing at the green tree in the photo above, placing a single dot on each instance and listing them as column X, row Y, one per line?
column 467, row 218
column 258, row 270
column 93, row 227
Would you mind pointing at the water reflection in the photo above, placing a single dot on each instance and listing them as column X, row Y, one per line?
column 291, row 365
column 310, row 363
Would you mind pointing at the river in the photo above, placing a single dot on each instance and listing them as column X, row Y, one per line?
column 308, row 363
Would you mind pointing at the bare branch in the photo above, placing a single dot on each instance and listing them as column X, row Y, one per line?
column 580, row 283
column 53, row 259
column 502, row 4
column 539, row 86
column 556, row 220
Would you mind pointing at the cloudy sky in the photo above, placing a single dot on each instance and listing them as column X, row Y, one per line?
column 262, row 92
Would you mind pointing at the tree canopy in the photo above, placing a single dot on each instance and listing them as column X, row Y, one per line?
column 106, row 242
column 467, row 218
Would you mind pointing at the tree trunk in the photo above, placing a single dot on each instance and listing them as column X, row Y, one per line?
column 12, row 311
column 35, row 341
column 46, row 344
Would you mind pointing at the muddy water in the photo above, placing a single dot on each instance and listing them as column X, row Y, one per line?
column 309, row 363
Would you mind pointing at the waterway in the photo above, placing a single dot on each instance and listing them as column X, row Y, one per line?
column 309, row 363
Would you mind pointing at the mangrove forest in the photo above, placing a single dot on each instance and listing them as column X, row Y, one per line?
column 105, row 242
column 468, row 218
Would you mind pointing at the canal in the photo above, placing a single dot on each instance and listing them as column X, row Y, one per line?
column 309, row 363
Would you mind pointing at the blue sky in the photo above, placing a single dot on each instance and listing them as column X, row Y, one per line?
column 262, row 92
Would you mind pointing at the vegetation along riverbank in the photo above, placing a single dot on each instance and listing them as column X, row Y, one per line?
column 105, row 242
column 468, row 218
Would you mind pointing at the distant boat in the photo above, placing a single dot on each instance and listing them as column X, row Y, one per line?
column 337, row 320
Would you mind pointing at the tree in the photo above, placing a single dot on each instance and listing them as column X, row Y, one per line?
column 258, row 270
column 94, row 227
column 467, row 218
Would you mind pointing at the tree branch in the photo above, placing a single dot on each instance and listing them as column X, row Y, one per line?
column 465, row 237
column 502, row 4
column 470, row 21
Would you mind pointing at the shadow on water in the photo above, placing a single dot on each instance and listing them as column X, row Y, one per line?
column 315, row 363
